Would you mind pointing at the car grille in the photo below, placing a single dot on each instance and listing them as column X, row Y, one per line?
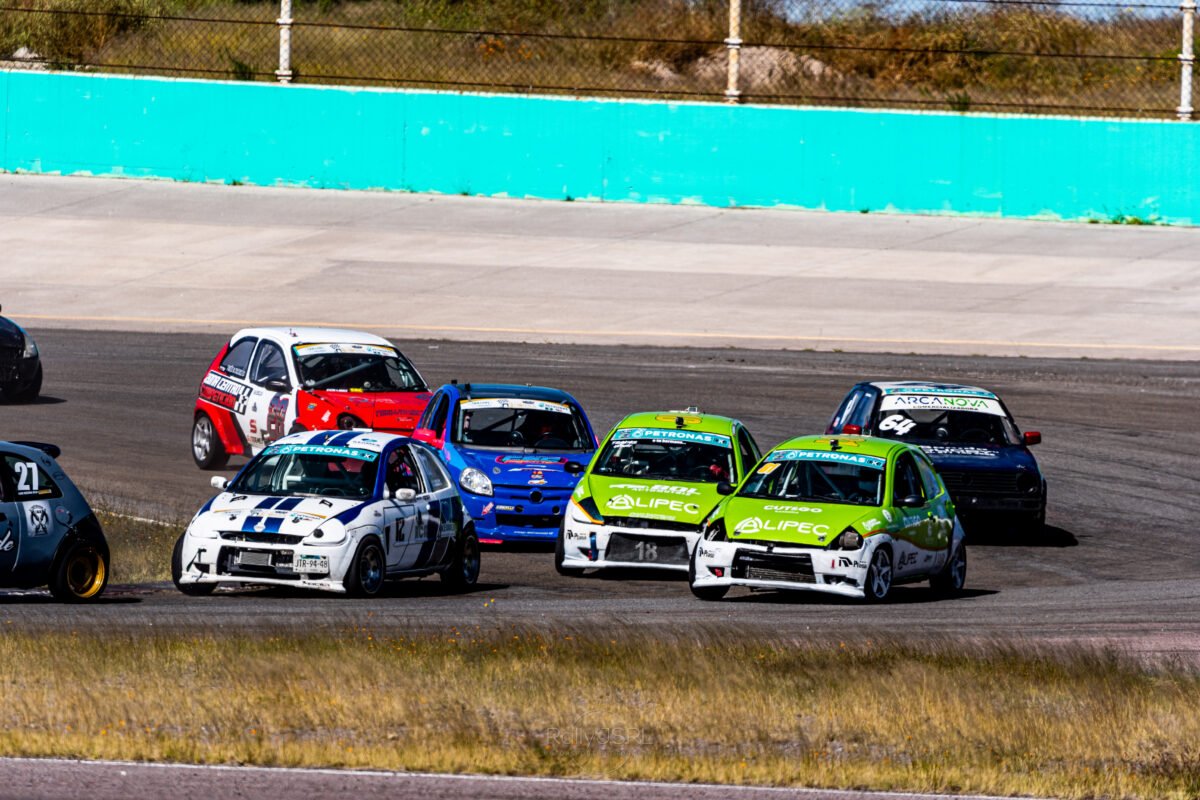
column 260, row 538
column 647, row 549
column 528, row 520
column 657, row 524
column 757, row 566
column 260, row 563
column 960, row 482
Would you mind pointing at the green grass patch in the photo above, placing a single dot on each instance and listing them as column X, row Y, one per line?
column 711, row 708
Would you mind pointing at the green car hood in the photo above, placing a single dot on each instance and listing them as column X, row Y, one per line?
column 808, row 524
column 674, row 501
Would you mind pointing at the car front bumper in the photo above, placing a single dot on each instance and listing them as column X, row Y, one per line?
column 517, row 515
column 590, row 546
column 221, row 560
column 840, row 572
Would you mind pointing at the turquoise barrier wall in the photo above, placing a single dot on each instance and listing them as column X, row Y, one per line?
column 613, row 150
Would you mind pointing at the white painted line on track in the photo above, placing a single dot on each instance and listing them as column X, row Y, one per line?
column 659, row 334
column 727, row 788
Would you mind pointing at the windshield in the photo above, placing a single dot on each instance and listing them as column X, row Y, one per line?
column 667, row 454
column 818, row 476
column 355, row 368
column 934, row 419
column 520, row 423
column 309, row 470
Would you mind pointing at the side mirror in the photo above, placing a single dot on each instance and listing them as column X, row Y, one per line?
column 724, row 487
column 573, row 468
column 406, row 495
column 428, row 436
column 1032, row 438
column 217, row 482
column 912, row 501
column 852, row 430
column 277, row 385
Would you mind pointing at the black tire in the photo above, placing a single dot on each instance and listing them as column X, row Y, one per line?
column 190, row 589
column 463, row 572
column 708, row 593
column 368, row 570
column 878, row 584
column 30, row 392
column 953, row 576
column 207, row 450
column 560, row 555
column 80, row 574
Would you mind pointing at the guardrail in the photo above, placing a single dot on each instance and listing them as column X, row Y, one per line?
column 1028, row 56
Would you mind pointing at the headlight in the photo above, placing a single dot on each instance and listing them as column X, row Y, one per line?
column 850, row 540
column 30, row 350
column 327, row 537
column 475, row 481
column 201, row 532
column 584, row 510
column 347, row 422
column 715, row 530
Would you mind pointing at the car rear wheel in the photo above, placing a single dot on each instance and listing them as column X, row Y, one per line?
column 190, row 589
column 207, row 449
column 80, row 574
column 709, row 593
column 560, row 555
column 367, row 572
column 953, row 576
column 879, row 576
column 463, row 571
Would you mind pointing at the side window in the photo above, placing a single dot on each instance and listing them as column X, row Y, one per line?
column 426, row 420
column 928, row 479
column 862, row 412
column 402, row 472
column 435, row 477
column 843, row 414
column 237, row 358
column 908, row 481
column 439, row 416
column 26, row 480
column 269, row 364
column 747, row 449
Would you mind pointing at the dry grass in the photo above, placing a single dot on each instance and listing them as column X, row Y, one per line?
column 890, row 53
column 711, row 709
column 140, row 547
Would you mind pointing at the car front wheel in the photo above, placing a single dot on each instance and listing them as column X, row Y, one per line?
column 367, row 572
column 463, row 571
column 190, row 589
column 879, row 576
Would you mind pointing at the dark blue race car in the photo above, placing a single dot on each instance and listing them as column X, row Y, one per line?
column 516, row 453
column 968, row 432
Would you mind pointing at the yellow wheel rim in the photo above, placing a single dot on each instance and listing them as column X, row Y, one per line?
column 85, row 573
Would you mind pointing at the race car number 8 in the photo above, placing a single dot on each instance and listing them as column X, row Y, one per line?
column 27, row 477
column 898, row 423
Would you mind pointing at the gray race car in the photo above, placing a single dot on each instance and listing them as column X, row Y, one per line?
column 48, row 533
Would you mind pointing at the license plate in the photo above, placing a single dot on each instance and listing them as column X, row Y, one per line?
column 311, row 564
column 647, row 550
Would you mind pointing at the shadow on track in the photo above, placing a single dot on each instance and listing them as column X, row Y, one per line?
column 392, row 590
column 20, row 598
column 42, row 400
column 982, row 532
column 900, row 596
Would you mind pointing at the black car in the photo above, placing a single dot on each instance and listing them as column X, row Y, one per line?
column 968, row 432
column 20, row 365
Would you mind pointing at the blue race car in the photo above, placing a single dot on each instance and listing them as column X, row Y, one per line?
column 516, row 453
column 968, row 433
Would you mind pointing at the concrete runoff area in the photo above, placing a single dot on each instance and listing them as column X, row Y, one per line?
column 113, row 254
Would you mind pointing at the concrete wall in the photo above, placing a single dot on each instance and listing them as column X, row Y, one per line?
column 839, row 160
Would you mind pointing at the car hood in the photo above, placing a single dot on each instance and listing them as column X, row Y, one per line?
column 675, row 501
column 543, row 469
column 397, row 411
column 11, row 334
column 292, row 516
column 980, row 456
column 807, row 524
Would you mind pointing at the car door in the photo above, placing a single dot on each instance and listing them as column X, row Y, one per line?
column 915, row 539
column 270, row 413
column 403, row 519
column 445, row 507
column 11, row 524
column 942, row 522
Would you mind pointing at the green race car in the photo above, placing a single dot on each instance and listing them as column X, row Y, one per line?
column 656, row 476
column 847, row 515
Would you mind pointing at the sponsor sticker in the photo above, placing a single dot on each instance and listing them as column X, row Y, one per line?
column 514, row 402
column 753, row 525
column 942, row 390
column 39, row 520
column 630, row 503
column 938, row 402
column 669, row 435
column 321, row 450
column 948, row 450
column 874, row 462
column 530, row 460
column 657, row 488
column 224, row 392
column 327, row 348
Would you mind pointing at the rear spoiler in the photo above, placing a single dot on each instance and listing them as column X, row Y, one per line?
column 52, row 450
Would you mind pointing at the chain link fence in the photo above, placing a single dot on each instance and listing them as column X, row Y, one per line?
column 962, row 55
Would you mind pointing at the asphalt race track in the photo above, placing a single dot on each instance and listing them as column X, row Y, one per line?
column 1117, row 562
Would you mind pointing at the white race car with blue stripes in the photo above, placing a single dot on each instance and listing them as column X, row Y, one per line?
column 341, row 511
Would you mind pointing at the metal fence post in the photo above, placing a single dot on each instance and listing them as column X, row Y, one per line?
column 1187, row 57
column 284, row 73
column 733, row 45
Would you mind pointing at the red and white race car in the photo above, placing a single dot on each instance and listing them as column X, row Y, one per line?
column 269, row 382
